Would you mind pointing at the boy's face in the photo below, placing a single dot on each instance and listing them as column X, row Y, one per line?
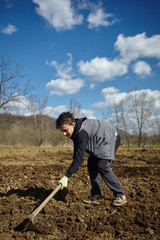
column 67, row 129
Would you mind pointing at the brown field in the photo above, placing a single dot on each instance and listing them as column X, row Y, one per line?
column 28, row 176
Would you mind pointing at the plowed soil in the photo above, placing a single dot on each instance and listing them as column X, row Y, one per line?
column 28, row 176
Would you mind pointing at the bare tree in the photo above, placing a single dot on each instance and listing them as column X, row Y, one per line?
column 135, row 114
column 75, row 107
column 11, row 87
column 156, row 134
column 37, row 109
column 121, row 119
column 141, row 107
column 108, row 113
column 117, row 115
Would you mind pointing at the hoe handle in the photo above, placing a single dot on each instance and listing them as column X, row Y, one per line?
column 39, row 208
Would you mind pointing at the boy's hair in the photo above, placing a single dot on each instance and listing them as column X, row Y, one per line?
column 64, row 118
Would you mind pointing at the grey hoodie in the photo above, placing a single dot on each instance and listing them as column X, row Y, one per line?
column 95, row 137
column 102, row 138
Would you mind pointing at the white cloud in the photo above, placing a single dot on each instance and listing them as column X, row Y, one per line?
column 87, row 113
column 102, row 69
column 155, row 94
column 114, row 96
column 66, row 83
column 139, row 46
column 64, row 15
column 99, row 18
column 84, row 4
column 61, row 86
column 131, row 49
column 58, row 13
column 20, row 106
column 111, row 96
column 56, row 111
column 152, row 103
column 10, row 29
column 142, row 68
column 64, row 70
column 92, row 86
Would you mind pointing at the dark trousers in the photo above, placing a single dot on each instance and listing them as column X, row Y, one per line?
column 101, row 168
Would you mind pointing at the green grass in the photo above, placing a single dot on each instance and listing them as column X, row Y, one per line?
column 135, row 146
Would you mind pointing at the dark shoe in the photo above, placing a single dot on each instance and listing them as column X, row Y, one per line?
column 119, row 201
column 93, row 199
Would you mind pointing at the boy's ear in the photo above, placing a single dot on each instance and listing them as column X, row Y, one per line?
column 73, row 124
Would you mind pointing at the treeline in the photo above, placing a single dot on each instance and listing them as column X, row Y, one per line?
column 35, row 130
column 147, row 140
column 40, row 131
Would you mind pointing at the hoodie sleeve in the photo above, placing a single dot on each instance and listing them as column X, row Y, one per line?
column 80, row 143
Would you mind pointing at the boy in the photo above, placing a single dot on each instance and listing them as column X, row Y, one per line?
column 101, row 140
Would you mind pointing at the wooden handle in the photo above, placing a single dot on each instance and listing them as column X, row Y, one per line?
column 39, row 208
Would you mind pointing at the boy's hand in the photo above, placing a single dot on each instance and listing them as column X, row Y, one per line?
column 64, row 182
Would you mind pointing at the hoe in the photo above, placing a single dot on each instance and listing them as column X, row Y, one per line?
column 28, row 223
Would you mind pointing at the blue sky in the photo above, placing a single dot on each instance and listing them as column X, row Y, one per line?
column 94, row 52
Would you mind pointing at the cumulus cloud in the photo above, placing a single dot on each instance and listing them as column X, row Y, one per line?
column 139, row 46
column 64, row 14
column 131, row 49
column 102, row 69
column 67, row 82
column 114, row 96
column 111, row 96
column 56, row 111
column 20, row 106
column 58, row 13
column 154, row 94
column 98, row 17
column 9, row 30
column 84, row 4
column 61, row 87
column 142, row 68
column 87, row 113
column 64, row 70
